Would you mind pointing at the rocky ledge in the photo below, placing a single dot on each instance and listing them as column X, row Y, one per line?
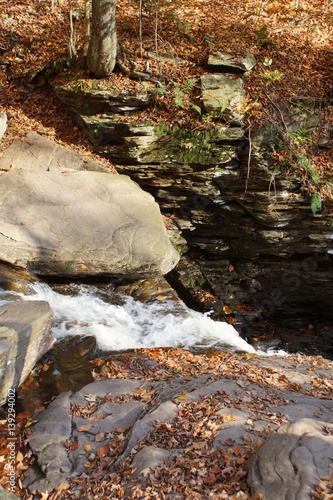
column 185, row 426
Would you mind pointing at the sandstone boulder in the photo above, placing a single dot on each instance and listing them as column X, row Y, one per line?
column 25, row 335
column 80, row 224
column 3, row 123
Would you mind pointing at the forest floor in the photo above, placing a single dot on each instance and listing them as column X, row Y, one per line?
column 292, row 42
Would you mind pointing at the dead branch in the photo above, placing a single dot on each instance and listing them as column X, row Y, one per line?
column 139, row 75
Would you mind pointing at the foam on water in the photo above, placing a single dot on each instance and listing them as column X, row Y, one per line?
column 133, row 324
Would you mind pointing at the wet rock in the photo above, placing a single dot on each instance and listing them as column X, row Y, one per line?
column 82, row 223
column 15, row 279
column 148, row 290
column 290, row 462
column 25, row 335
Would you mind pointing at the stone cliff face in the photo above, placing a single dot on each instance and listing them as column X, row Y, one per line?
column 262, row 246
column 246, row 231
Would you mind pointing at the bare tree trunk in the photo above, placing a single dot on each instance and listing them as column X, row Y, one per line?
column 102, row 51
column 140, row 26
column 87, row 17
column 72, row 50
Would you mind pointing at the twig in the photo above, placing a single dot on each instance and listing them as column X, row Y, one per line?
column 248, row 162
column 140, row 75
column 279, row 111
column 156, row 33
column 296, row 22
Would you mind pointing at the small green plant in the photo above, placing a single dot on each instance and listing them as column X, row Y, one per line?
column 305, row 164
column 180, row 95
column 299, row 136
column 268, row 62
column 262, row 37
column 315, row 203
column 271, row 76
column 185, row 27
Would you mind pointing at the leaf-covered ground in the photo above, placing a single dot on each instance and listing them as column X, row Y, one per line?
column 291, row 40
column 200, row 471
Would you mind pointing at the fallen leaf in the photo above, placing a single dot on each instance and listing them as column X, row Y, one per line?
column 103, row 450
column 100, row 436
column 182, row 397
column 63, row 486
column 209, row 479
column 86, row 447
column 75, row 446
column 237, row 450
column 85, row 427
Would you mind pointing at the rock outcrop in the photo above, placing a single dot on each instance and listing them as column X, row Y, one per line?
column 157, row 432
column 25, row 336
column 289, row 463
column 61, row 222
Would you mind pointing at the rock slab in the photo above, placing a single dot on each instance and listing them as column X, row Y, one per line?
column 223, row 95
column 25, row 335
column 38, row 153
column 289, row 463
column 81, row 223
column 3, row 123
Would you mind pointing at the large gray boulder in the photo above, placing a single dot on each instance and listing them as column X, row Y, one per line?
column 38, row 153
column 25, row 335
column 81, row 223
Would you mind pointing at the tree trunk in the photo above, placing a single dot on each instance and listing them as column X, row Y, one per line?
column 102, row 49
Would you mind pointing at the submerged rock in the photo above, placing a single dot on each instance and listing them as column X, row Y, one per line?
column 25, row 335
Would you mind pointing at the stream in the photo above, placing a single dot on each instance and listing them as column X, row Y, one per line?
column 119, row 322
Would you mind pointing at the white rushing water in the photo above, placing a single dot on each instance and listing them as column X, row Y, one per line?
column 133, row 324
